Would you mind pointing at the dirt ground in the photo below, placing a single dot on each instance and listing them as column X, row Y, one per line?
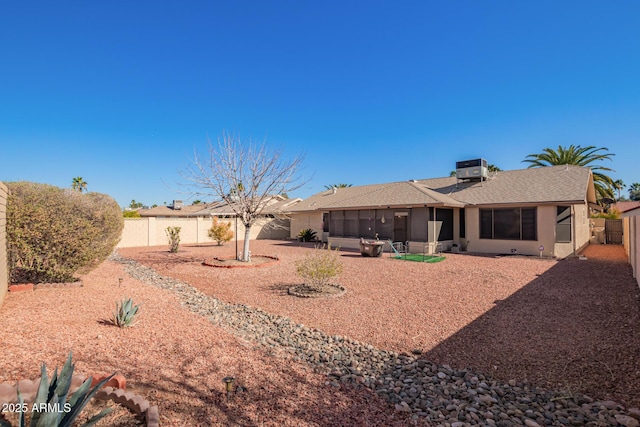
column 572, row 325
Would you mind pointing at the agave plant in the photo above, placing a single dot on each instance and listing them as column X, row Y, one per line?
column 307, row 235
column 51, row 408
column 125, row 313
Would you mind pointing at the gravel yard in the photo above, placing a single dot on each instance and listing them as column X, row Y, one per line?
column 572, row 325
column 521, row 325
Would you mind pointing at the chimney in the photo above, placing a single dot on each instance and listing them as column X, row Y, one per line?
column 177, row 205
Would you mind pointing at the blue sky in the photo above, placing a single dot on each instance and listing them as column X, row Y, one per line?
column 121, row 93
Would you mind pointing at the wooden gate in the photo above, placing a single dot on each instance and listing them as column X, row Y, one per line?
column 613, row 231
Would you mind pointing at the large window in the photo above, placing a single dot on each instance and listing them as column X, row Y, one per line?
column 563, row 224
column 445, row 217
column 350, row 224
column 508, row 224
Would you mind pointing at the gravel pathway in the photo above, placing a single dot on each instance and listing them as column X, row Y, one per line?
column 439, row 394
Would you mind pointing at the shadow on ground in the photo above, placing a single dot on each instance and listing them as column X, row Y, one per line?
column 585, row 336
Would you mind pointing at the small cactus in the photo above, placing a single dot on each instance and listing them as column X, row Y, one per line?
column 125, row 313
column 173, row 233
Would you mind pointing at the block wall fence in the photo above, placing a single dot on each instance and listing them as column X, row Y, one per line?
column 4, row 271
column 139, row 232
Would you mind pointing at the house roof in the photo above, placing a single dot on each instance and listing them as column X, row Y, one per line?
column 184, row 211
column 405, row 193
column 626, row 206
column 553, row 184
column 275, row 205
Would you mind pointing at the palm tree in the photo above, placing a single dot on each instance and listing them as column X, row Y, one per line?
column 79, row 184
column 329, row 187
column 618, row 185
column 579, row 156
column 634, row 191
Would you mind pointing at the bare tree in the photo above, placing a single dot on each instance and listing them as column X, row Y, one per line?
column 244, row 174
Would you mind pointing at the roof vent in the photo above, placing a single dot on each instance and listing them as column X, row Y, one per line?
column 177, row 205
column 473, row 170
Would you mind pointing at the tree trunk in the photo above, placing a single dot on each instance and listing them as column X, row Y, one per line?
column 245, row 248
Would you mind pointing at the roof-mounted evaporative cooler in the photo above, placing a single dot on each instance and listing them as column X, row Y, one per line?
column 475, row 170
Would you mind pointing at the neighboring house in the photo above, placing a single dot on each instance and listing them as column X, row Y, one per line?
column 196, row 220
column 176, row 210
column 516, row 211
column 631, row 219
column 273, row 224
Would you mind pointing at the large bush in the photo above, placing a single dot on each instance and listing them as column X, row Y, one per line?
column 53, row 233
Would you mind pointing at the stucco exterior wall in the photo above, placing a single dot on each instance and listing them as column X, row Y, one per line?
column 634, row 241
column 632, row 230
column 546, row 228
column 302, row 221
column 4, row 272
column 152, row 231
column 626, row 233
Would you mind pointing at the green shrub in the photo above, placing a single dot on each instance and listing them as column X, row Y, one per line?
column 320, row 267
column 125, row 313
column 54, row 233
column 173, row 233
column 307, row 235
column 612, row 214
column 55, row 394
column 131, row 214
column 220, row 231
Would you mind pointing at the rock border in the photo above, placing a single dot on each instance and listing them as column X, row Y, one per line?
column 439, row 395
column 133, row 402
column 264, row 264
column 301, row 294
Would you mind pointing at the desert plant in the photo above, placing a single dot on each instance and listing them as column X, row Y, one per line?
column 53, row 233
column 131, row 214
column 220, row 231
column 125, row 313
column 307, row 235
column 612, row 214
column 55, row 408
column 320, row 267
column 173, row 233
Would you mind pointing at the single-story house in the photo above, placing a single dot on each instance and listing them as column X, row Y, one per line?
column 273, row 224
column 177, row 210
column 196, row 220
column 529, row 211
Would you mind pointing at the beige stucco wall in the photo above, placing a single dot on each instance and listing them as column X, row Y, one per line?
column 4, row 272
column 152, row 231
column 303, row 220
column 634, row 241
column 626, row 232
column 632, row 231
column 546, row 225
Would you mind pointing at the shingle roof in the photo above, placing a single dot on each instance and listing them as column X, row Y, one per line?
column 185, row 211
column 551, row 184
column 405, row 193
column 626, row 206
column 276, row 206
column 565, row 183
